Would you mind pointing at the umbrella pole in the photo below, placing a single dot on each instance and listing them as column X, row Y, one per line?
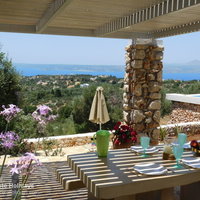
column 100, row 126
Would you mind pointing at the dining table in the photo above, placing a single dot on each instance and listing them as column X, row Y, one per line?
column 114, row 177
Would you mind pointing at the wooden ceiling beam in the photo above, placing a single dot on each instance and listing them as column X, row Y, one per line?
column 51, row 13
column 163, row 8
column 177, row 30
column 16, row 28
column 128, row 35
column 69, row 31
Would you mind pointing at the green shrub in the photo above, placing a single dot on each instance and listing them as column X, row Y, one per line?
column 163, row 133
column 9, row 82
column 48, row 145
column 65, row 111
column 25, row 126
column 64, row 127
column 57, row 93
column 166, row 105
column 29, row 109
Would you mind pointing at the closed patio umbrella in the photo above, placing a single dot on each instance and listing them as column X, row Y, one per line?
column 99, row 112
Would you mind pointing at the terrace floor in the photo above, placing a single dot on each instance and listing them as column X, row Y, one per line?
column 43, row 182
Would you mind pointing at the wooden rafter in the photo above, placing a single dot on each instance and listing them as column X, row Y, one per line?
column 128, row 35
column 177, row 30
column 54, row 10
column 68, row 31
column 167, row 6
column 17, row 28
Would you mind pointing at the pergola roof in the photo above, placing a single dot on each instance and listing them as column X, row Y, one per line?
column 101, row 18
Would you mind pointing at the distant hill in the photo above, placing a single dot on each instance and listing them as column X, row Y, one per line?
column 61, row 69
column 115, row 70
column 194, row 62
column 190, row 67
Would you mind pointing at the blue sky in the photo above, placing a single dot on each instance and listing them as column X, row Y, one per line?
column 50, row 49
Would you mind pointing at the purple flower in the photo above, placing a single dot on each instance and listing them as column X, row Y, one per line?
column 8, row 144
column 25, row 165
column 43, row 110
column 36, row 116
column 14, row 170
column 43, row 115
column 51, row 117
column 8, row 139
column 10, row 112
column 31, row 156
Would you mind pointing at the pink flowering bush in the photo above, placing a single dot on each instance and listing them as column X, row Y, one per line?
column 8, row 139
column 44, row 110
column 7, row 142
column 24, row 166
column 43, row 115
column 10, row 112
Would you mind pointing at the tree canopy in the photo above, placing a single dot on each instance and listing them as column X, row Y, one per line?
column 9, row 82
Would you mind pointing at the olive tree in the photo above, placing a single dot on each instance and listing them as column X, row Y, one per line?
column 9, row 82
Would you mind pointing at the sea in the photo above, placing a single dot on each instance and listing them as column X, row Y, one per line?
column 110, row 70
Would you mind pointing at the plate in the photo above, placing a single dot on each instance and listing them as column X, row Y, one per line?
column 151, row 169
column 185, row 146
column 149, row 150
column 192, row 162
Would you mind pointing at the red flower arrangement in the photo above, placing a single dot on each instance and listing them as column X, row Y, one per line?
column 195, row 145
column 123, row 134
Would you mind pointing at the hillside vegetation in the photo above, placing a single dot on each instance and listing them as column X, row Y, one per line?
column 70, row 98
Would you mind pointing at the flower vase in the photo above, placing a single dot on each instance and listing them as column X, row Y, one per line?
column 122, row 145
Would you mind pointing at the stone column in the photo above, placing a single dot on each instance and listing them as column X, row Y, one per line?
column 142, row 85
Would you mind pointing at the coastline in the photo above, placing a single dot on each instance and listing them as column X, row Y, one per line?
column 96, row 70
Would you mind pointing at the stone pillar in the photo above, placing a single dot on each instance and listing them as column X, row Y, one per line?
column 142, row 85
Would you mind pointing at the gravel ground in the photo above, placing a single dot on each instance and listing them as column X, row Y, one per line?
column 66, row 151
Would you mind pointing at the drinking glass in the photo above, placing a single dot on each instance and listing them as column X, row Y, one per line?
column 178, row 152
column 144, row 141
column 182, row 137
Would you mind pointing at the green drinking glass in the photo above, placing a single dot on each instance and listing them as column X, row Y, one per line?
column 144, row 141
column 182, row 137
column 101, row 138
column 178, row 152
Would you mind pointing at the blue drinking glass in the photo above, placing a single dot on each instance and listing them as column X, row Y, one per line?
column 144, row 141
column 182, row 137
column 178, row 152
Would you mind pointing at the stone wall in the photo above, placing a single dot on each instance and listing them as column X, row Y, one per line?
column 64, row 141
column 184, row 112
column 192, row 129
column 142, row 85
